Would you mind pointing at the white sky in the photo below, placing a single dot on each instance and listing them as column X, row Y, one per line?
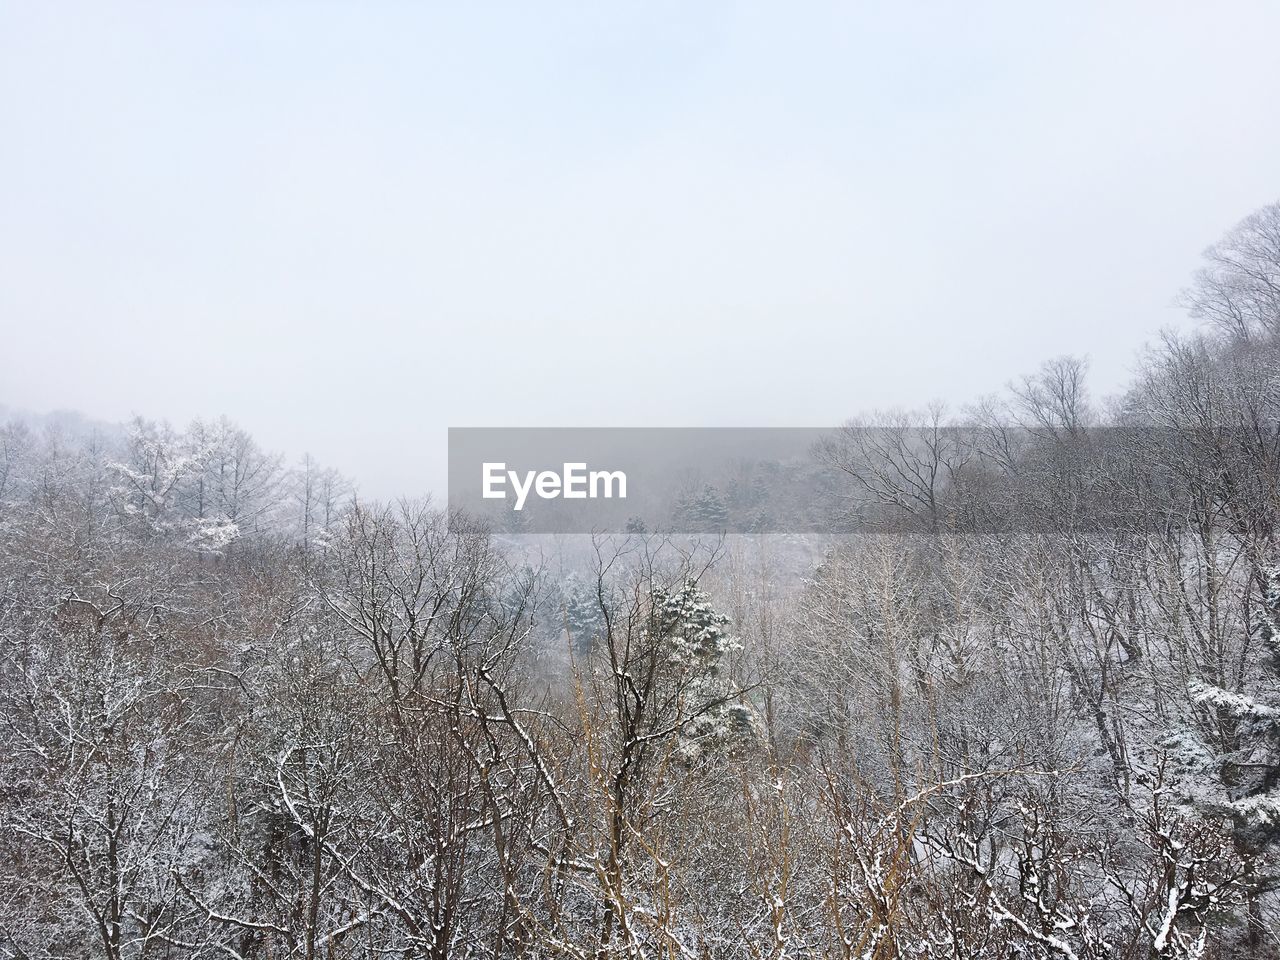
column 349, row 226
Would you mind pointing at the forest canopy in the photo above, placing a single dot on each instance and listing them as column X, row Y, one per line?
column 250, row 714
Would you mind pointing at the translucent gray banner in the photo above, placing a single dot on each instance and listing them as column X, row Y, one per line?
column 887, row 479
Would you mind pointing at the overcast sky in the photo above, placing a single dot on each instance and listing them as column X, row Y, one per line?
column 349, row 226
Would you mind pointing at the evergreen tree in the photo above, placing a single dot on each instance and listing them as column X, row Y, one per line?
column 699, row 647
column 582, row 615
column 704, row 512
column 1247, row 772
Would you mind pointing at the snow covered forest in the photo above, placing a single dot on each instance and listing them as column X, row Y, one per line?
column 248, row 714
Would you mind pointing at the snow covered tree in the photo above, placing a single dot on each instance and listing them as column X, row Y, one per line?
column 700, row 645
column 320, row 495
column 152, row 476
column 1243, row 755
column 236, row 484
column 582, row 616
column 1230, row 762
column 704, row 511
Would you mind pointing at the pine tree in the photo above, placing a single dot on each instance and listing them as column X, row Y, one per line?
column 582, row 615
column 1238, row 778
column 705, row 511
column 1248, row 773
column 699, row 647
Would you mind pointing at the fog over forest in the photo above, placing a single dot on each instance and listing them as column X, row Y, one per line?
column 642, row 480
column 248, row 712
